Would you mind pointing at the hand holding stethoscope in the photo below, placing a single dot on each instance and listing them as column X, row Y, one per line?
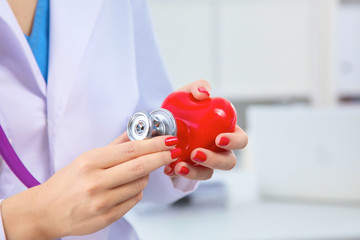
column 206, row 160
column 101, row 185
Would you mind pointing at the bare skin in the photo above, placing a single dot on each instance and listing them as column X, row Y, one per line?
column 24, row 12
column 101, row 185
column 96, row 189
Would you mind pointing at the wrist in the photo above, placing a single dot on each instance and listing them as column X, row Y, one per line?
column 22, row 218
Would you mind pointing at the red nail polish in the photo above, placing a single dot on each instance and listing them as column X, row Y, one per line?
column 184, row 170
column 171, row 141
column 203, row 90
column 200, row 156
column 175, row 153
column 224, row 141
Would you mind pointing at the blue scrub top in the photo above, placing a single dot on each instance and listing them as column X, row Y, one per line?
column 39, row 37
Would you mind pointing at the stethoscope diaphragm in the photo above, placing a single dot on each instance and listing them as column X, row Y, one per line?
column 144, row 125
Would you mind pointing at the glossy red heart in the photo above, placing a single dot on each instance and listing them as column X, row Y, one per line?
column 199, row 122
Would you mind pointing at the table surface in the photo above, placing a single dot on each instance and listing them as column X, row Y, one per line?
column 229, row 207
column 254, row 220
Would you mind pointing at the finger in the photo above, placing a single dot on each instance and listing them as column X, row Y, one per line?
column 216, row 160
column 137, row 168
column 115, row 154
column 120, row 194
column 120, row 210
column 193, row 172
column 199, row 89
column 121, row 139
column 232, row 141
column 169, row 170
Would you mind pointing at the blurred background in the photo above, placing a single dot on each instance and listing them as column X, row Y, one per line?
column 292, row 70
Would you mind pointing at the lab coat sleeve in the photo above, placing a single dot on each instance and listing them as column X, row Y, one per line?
column 154, row 86
column 2, row 231
column 161, row 189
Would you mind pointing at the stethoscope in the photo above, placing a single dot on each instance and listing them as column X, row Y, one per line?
column 13, row 161
column 142, row 125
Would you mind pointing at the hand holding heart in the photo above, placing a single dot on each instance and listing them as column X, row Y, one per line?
column 206, row 160
column 101, row 185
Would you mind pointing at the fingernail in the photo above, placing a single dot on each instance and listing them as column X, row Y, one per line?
column 184, row 170
column 171, row 141
column 175, row 153
column 203, row 90
column 224, row 141
column 169, row 172
column 200, row 156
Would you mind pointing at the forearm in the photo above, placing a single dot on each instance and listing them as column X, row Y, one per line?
column 22, row 218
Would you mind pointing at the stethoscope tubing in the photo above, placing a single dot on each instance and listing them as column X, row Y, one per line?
column 14, row 163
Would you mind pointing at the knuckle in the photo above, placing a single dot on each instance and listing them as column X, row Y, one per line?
column 165, row 158
column 155, row 146
column 139, row 197
column 91, row 189
column 232, row 164
column 107, row 218
column 111, row 218
column 242, row 138
column 84, row 166
column 209, row 175
column 131, row 148
column 147, row 177
column 232, row 161
column 245, row 141
column 99, row 206
column 202, row 82
column 138, row 168
column 141, row 184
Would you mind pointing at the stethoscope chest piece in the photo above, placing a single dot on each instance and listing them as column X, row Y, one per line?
column 144, row 125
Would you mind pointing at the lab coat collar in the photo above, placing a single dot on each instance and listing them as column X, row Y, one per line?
column 69, row 37
column 23, row 56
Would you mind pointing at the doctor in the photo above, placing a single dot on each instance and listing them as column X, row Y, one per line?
column 62, row 106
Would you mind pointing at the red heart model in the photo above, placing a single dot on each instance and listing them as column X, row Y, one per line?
column 199, row 122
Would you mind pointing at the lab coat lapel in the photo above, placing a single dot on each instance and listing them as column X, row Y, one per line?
column 19, row 50
column 69, row 35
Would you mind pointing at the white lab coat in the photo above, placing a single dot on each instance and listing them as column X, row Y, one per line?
column 104, row 65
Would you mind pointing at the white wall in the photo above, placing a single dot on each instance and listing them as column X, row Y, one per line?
column 252, row 49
